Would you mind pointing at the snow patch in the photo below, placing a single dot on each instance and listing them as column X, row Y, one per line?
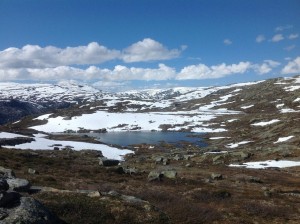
column 246, row 107
column 41, row 143
column 235, row 145
column 283, row 139
column 10, row 135
column 264, row 123
column 267, row 164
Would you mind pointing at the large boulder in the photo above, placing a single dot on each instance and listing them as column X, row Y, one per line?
column 30, row 211
column 103, row 161
column 8, row 199
column 18, row 184
column 14, row 208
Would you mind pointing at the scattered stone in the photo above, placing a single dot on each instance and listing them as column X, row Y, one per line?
column 130, row 171
column 178, row 157
column 216, row 176
column 103, row 161
column 6, row 173
column 155, row 175
column 171, row 174
column 94, row 194
column 241, row 155
column 187, row 157
column 32, row 171
column 219, row 159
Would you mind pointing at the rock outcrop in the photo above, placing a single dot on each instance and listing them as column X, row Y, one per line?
column 16, row 208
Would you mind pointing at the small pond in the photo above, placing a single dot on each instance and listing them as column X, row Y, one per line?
column 131, row 138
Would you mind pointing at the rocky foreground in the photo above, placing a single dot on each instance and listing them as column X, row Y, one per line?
column 162, row 183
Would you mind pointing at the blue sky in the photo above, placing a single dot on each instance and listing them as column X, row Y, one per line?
column 123, row 44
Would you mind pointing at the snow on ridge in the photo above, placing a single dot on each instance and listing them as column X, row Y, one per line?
column 288, row 110
column 235, row 145
column 264, row 123
column 283, row 139
column 246, row 107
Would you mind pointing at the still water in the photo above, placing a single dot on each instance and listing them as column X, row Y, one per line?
column 131, row 138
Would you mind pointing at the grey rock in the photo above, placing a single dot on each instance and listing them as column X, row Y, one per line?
column 171, row 174
column 178, row 157
column 18, row 184
column 216, row 176
column 130, row 171
column 162, row 160
column 187, row 157
column 30, row 211
column 3, row 185
column 103, row 161
column 6, row 173
column 242, row 155
column 32, row 171
column 3, row 213
column 219, row 159
column 8, row 199
column 155, row 175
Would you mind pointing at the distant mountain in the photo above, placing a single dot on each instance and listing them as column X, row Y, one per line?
column 274, row 95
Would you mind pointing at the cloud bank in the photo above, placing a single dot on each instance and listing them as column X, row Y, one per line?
column 34, row 56
column 50, row 63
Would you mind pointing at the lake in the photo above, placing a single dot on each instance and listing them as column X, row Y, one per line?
column 131, row 138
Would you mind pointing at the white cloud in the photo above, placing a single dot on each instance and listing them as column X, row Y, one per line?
column 282, row 28
column 119, row 73
column 266, row 67
column 292, row 67
column 149, row 50
column 293, row 36
column 202, row 71
column 34, row 56
column 289, row 48
column 227, row 42
column 277, row 38
column 260, row 38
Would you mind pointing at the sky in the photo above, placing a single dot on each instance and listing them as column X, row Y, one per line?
column 118, row 45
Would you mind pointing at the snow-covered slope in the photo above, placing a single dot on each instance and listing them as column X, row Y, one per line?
column 42, row 93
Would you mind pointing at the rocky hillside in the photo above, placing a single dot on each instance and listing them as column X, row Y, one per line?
column 20, row 100
column 248, row 172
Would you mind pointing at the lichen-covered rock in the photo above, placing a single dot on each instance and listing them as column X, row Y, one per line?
column 216, row 176
column 6, row 173
column 154, row 175
column 18, row 184
column 171, row 174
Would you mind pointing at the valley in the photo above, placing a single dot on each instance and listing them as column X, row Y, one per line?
column 246, row 172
